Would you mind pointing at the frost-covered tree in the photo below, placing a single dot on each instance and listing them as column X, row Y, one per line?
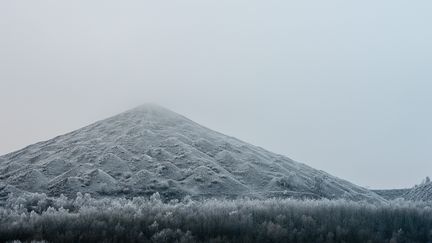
column 86, row 219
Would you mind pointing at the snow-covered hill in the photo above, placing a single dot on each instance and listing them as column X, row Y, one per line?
column 151, row 149
column 422, row 192
column 392, row 194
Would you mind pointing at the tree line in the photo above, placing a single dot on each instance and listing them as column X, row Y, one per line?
column 85, row 219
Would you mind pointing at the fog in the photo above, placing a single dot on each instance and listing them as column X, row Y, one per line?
column 342, row 86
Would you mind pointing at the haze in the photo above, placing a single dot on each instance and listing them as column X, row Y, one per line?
column 343, row 86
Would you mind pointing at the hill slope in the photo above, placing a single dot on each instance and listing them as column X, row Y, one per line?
column 392, row 194
column 151, row 149
column 422, row 192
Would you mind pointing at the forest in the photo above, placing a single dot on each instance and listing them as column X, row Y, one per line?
column 37, row 217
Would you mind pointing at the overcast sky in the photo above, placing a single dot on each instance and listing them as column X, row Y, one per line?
column 343, row 86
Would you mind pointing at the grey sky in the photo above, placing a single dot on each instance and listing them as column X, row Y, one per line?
column 344, row 86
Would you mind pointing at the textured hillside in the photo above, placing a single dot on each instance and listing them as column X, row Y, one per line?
column 391, row 194
column 150, row 149
column 422, row 192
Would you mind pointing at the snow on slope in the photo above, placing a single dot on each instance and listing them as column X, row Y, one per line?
column 151, row 149
column 422, row 192
column 392, row 194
